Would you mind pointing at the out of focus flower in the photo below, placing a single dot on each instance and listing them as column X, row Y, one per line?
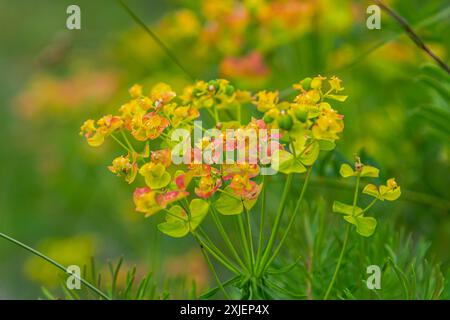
column 124, row 167
column 77, row 250
column 249, row 67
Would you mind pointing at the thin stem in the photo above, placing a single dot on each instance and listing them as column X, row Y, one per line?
column 211, row 267
column 245, row 242
column 338, row 266
column 226, row 238
column 344, row 245
column 276, row 224
column 219, row 257
column 250, row 236
column 156, row 39
column 215, row 248
column 127, row 141
column 56, row 264
column 174, row 216
column 413, row 35
column 368, row 207
column 120, row 143
column 291, row 220
column 262, row 221
column 216, row 115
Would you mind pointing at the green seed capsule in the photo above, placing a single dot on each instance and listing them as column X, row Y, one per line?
column 229, row 90
column 306, row 83
column 268, row 119
column 285, row 122
column 301, row 115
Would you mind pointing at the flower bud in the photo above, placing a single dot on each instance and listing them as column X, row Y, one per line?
column 285, row 122
column 301, row 115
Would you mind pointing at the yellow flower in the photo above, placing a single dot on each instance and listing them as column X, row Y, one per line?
column 96, row 134
column 184, row 114
column 161, row 94
column 149, row 126
column 335, row 83
column 123, row 167
column 145, row 201
column 135, row 91
column 207, row 186
column 391, row 191
column 266, row 100
column 155, row 174
column 328, row 125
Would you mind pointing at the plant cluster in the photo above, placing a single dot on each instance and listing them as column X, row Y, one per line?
column 296, row 131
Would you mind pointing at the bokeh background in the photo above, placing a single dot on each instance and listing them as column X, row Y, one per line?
column 56, row 193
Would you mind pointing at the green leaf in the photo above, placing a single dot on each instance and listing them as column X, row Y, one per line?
column 309, row 156
column 371, row 190
column 346, row 171
column 284, row 162
column 339, row 207
column 228, row 204
column 248, row 204
column 175, row 229
column 369, row 171
column 178, row 224
column 199, row 209
column 326, row 145
column 158, row 182
column 337, row 97
column 174, row 225
column 365, row 226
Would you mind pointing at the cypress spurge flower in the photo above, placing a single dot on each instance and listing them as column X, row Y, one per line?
column 290, row 136
column 355, row 215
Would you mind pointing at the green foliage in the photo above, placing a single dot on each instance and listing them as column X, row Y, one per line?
column 121, row 283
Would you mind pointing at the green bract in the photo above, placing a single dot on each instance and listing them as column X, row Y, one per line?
column 365, row 226
column 227, row 204
column 390, row 192
column 285, row 162
column 178, row 223
column 365, row 171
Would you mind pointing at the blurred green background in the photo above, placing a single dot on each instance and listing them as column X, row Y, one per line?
column 56, row 193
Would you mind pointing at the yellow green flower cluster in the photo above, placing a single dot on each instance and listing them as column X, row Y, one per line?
column 146, row 122
column 355, row 215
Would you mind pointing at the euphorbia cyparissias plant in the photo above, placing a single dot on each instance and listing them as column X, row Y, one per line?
column 293, row 133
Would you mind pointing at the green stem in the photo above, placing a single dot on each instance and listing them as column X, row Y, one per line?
column 250, row 236
column 174, row 216
column 127, row 141
column 121, row 143
column 56, row 264
column 344, row 245
column 338, row 266
column 261, row 224
column 156, row 39
column 215, row 248
column 211, row 267
column 216, row 254
column 291, row 221
column 276, row 225
column 216, row 115
column 368, row 207
column 227, row 238
column 245, row 242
